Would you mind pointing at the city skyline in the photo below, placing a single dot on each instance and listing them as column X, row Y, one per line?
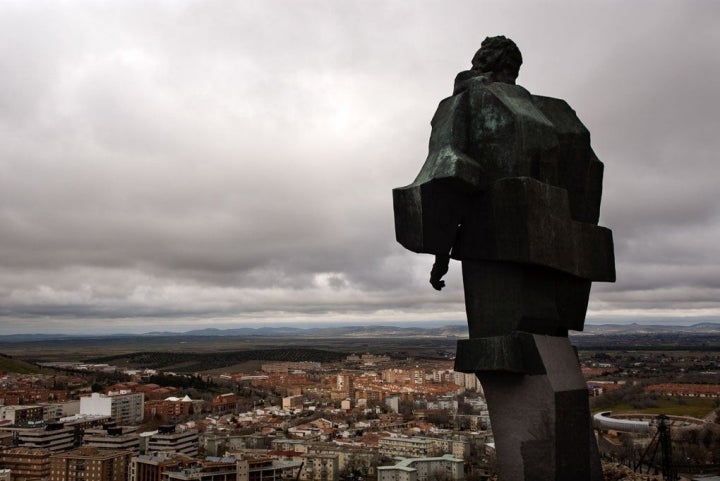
column 168, row 166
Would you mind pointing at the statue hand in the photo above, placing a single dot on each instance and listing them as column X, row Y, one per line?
column 439, row 269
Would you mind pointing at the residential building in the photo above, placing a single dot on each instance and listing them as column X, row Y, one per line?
column 209, row 469
column 349, row 458
column 225, row 403
column 393, row 403
column 26, row 463
column 216, row 443
column 150, row 467
column 345, row 384
column 111, row 436
column 54, row 437
column 266, row 469
column 22, row 415
column 57, row 410
column 421, row 447
column 124, row 408
column 90, row 464
column 416, row 447
column 287, row 444
column 169, row 408
column 167, row 438
column 319, row 467
column 446, row 467
column 82, row 423
column 292, row 402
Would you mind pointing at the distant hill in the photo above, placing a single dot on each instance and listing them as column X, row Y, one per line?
column 241, row 331
column 32, row 337
column 360, row 331
column 8, row 364
column 634, row 328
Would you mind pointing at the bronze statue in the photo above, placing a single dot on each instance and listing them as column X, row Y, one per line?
column 511, row 187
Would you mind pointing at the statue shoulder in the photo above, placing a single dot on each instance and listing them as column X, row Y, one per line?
column 561, row 115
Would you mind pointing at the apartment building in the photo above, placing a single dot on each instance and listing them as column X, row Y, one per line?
column 124, row 407
column 90, row 464
column 424, row 469
column 22, row 415
column 54, row 437
column 349, row 458
column 287, row 444
column 57, row 410
column 319, row 467
column 292, row 402
column 416, row 447
column 345, row 384
column 169, row 408
column 225, row 403
column 266, row 469
column 150, row 467
column 209, row 469
column 167, row 438
column 421, row 447
column 26, row 463
column 111, row 436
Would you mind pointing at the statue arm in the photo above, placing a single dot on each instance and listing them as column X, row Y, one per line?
column 442, row 261
column 439, row 269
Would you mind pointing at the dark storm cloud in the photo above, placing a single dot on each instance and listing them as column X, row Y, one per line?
column 220, row 162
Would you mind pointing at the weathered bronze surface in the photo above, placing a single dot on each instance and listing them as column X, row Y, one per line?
column 512, row 188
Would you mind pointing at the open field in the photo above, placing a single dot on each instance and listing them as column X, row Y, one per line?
column 84, row 350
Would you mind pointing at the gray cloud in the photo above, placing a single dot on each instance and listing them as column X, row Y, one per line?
column 179, row 163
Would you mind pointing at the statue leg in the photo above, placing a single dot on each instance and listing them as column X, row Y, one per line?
column 541, row 422
column 536, row 394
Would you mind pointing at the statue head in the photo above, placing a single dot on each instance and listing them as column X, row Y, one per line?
column 499, row 59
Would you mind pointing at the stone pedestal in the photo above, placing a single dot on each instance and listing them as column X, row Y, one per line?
column 538, row 403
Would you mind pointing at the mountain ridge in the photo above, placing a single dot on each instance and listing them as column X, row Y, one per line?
column 360, row 331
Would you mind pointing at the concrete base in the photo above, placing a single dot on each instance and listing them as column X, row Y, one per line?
column 541, row 421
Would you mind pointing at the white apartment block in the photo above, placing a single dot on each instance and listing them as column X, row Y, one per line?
column 416, row 447
column 421, row 447
column 123, row 408
column 424, row 469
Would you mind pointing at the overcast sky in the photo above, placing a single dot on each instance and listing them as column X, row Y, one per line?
column 171, row 165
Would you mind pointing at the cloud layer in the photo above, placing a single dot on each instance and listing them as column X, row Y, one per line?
column 173, row 164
